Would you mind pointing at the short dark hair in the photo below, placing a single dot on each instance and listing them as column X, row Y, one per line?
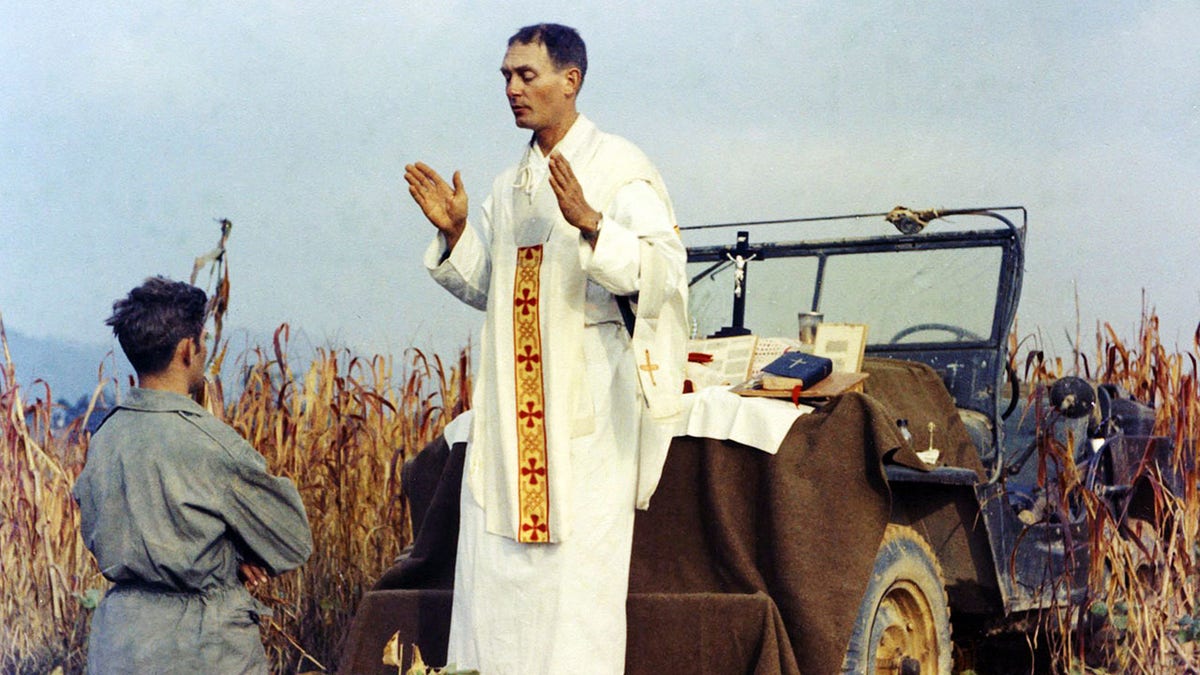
column 563, row 44
column 153, row 318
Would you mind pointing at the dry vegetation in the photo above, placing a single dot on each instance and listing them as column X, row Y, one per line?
column 340, row 428
column 1145, row 581
column 1143, row 614
column 49, row 579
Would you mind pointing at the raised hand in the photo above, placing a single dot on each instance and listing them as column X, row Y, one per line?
column 443, row 205
column 571, row 201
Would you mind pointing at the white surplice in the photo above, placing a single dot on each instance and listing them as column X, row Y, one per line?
column 572, row 418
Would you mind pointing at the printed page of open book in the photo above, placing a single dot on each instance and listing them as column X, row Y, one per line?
column 734, row 359
column 769, row 349
column 730, row 360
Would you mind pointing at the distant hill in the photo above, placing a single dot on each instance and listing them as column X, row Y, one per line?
column 71, row 368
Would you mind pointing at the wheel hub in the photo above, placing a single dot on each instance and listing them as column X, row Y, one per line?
column 906, row 639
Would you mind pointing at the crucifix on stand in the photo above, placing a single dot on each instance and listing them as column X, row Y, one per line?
column 740, row 255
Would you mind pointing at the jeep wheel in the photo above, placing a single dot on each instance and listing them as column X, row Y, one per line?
column 903, row 623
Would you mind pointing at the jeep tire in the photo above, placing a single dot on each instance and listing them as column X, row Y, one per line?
column 903, row 623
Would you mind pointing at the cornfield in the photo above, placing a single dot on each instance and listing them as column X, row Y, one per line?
column 341, row 429
column 1142, row 613
column 342, row 426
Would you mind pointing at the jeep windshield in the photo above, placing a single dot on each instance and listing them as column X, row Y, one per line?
column 936, row 287
column 942, row 291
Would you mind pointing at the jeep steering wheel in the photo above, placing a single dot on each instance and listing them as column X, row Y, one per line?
column 960, row 333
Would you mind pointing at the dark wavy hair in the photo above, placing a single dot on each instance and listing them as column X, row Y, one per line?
column 153, row 318
column 563, row 44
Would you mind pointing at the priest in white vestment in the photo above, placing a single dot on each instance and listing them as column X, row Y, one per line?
column 571, row 414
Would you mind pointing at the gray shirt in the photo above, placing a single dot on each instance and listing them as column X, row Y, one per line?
column 171, row 501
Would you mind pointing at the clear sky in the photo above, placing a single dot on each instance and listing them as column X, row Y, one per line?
column 128, row 128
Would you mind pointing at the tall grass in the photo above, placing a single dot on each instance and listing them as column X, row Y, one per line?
column 1143, row 615
column 1144, row 575
column 48, row 579
column 342, row 431
column 340, row 427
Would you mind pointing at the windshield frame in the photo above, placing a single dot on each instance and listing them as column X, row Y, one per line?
column 1009, row 239
column 973, row 370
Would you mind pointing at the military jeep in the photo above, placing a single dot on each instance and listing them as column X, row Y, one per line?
column 984, row 544
column 848, row 542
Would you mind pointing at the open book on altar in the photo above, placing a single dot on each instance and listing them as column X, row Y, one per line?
column 728, row 361
column 738, row 362
column 827, row 368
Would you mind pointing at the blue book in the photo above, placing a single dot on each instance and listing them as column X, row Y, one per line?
column 795, row 369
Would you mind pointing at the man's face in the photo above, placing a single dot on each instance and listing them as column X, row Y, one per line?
column 539, row 95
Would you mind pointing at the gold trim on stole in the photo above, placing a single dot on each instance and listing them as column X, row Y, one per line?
column 533, row 491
